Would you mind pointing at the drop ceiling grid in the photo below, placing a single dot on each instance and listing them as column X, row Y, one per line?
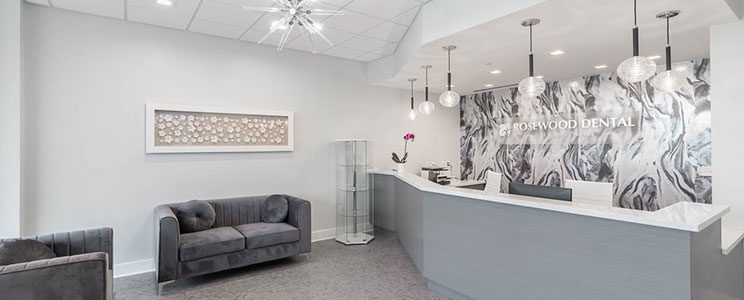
column 375, row 33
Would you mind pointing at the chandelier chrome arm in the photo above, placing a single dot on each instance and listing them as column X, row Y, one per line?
column 283, row 3
column 285, row 36
column 265, row 9
column 326, row 12
column 306, row 36
column 310, row 26
column 274, row 27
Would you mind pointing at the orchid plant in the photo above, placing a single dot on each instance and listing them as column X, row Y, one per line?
column 406, row 138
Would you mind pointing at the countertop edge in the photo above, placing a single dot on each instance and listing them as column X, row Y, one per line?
column 618, row 215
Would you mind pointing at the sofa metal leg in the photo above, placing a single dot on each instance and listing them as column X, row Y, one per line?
column 161, row 285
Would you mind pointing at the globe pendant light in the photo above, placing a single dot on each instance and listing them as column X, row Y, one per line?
column 412, row 114
column 531, row 86
column 426, row 107
column 637, row 68
column 449, row 98
column 669, row 80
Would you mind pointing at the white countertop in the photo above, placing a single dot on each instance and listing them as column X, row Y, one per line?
column 685, row 216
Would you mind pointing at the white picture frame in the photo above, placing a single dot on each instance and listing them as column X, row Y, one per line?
column 152, row 147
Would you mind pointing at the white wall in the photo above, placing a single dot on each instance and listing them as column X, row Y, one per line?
column 10, row 118
column 727, row 63
column 87, row 80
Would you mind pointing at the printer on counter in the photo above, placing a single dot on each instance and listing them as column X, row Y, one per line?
column 439, row 174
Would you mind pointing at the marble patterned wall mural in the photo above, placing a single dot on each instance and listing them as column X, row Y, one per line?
column 650, row 145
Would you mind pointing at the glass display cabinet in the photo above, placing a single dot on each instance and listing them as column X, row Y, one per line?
column 354, row 204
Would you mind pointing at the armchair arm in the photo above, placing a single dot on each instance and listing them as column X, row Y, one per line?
column 299, row 216
column 82, row 276
column 167, row 235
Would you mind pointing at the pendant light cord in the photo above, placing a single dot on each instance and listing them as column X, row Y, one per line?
column 667, row 21
column 530, row 38
column 426, row 89
column 635, row 13
column 411, row 94
column 449, row 69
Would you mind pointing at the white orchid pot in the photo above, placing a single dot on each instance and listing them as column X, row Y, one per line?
column 401, row 168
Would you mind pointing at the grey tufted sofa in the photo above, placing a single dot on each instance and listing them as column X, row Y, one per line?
column 238, row 238
column 82, row 269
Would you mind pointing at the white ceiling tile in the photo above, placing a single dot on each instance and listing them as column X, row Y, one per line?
column 180, row 7
column 255, row 35
column 218, row 29
column 241, row 3
column 387, row 31
column 344, row 52
column 301, row 44
column 264, row 23
column 365, row 44
column 368, row 57
column 157, row 17
column 383, row 9
column 336, row 3
column 220, row 12
column 38, row 2
column 386, row 50
column 407, row 17
column 336, row 36
column 352, row 22
column 106, row 8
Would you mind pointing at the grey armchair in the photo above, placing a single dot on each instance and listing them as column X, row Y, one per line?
column 238, row 238
column 82, row 269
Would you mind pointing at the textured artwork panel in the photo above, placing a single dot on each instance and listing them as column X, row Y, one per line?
column 176, row 128
column 653, row 163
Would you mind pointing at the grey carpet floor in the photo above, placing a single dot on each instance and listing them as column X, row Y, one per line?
column 380, row 270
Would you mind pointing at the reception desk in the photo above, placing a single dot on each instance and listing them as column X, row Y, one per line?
column 471, row 245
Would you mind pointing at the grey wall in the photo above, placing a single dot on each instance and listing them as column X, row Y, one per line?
column 87, row 80
column 10, row 117
column 652, row 165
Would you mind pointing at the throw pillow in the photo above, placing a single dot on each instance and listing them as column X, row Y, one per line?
column 19, row 251
column 274, row 209
column 195, row 215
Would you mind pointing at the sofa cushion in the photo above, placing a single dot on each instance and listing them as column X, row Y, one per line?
column 20, row 251
column 210, row 242
column 195, row 215
column 274, row 209
column 258, row 235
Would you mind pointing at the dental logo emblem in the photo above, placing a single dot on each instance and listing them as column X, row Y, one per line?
column 505, row 130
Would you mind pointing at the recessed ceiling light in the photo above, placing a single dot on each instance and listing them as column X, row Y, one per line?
column 488, row 85
column 495, row 72
column 655, row 57
column 600, row 67
column 557, row 52
column 165, row 2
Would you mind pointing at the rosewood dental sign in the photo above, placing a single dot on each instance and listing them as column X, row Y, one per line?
column 566, row 127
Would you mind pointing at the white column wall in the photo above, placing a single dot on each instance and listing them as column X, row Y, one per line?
column 727, row 65
column 10, row 118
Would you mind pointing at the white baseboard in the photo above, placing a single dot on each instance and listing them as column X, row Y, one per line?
column 134, row 268
column 322, row 235
column 148, row 265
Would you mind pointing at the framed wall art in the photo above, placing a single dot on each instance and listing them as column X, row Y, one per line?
column 204, row 129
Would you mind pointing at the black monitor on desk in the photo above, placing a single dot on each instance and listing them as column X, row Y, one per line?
column 549, row 192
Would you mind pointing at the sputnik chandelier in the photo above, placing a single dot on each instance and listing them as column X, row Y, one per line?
column 296, row 14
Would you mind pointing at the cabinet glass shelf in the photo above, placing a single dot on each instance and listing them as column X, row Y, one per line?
column 354, row 204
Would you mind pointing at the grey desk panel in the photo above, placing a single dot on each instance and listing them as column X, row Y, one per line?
column 496, row 251
column 409, row 221
column 715, row 276
column 384, row 197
